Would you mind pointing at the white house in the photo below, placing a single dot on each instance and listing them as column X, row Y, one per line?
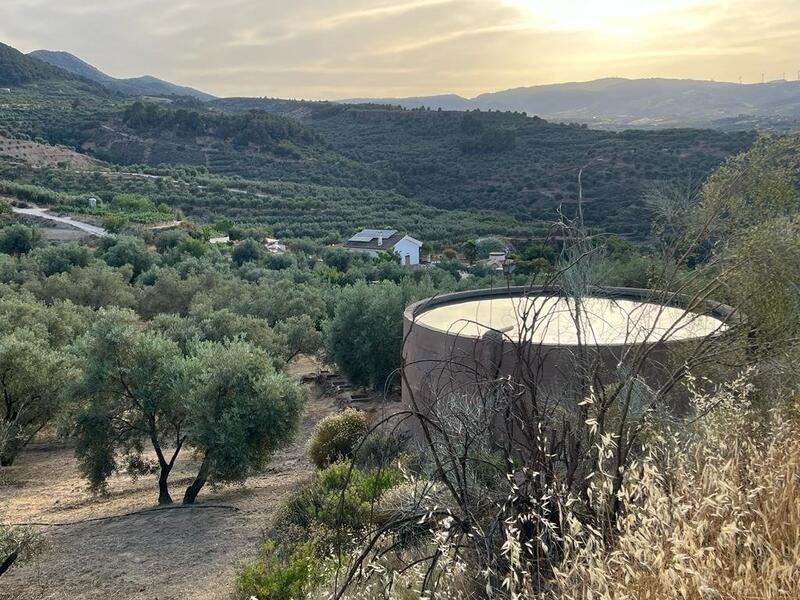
column 374, row 241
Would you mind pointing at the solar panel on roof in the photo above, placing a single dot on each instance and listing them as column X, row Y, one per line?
column 368, row 235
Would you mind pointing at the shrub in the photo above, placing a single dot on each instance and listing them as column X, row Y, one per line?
column 114, row 223
column 285, row 572
column 381, row 450
column 337, row 436
column 340, row 496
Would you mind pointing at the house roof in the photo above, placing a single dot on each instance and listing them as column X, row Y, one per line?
column 372, row 244
column 367, row 235
column 368, row 239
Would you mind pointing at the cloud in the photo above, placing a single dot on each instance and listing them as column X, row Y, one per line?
column 344, row 48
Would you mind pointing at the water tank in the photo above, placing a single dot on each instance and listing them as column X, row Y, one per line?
column 549, row 341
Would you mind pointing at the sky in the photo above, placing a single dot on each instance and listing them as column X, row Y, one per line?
column 380, row 48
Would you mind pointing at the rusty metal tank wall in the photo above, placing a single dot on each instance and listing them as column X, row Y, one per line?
column 438, row 363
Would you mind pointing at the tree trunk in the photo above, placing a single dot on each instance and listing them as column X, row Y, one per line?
column 7, row 459
column 202, row 476
column 6, row 565
column 163, row 486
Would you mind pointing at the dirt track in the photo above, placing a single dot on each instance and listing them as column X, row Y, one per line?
column 165, row 555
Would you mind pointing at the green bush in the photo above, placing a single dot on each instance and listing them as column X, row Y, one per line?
column 285, row 572
column 340, row 497
column 337, row 436
column 381, row 450
column 114, row 223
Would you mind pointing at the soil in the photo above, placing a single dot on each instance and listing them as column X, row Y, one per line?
column 171, row 554
column 44, row 154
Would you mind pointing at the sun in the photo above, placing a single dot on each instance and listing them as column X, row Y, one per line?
column 597, row 14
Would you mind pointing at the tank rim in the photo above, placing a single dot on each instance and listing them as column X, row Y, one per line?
column 723, row 312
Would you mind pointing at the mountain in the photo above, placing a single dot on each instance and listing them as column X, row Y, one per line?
column 19, row 69
column 137, row 86
column 618, row 103
column 443, row 101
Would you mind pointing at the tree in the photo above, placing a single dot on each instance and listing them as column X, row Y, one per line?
column 470, row 251
column 58, row 259
column 19, row 239
column 134, row 385
column 299, row 336
column 484, row 246
column 96, row 286
column 239, row 411
column 127, row 250
column 248, row 251
column 366, row 332
column 33, row 377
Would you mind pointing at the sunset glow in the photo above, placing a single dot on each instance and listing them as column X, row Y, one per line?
column 355, row 48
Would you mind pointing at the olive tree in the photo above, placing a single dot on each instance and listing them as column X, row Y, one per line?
column 239, row 411
column 365, row 334
column 299, row 336
column 33, row 377
column 134, row 387
column 19, row 239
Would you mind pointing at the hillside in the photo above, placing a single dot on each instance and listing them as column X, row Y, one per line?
column 19, row 69
column 521, row 166
column 137, row 86
column 625, row 103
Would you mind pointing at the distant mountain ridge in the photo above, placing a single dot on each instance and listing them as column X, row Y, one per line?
column 18, row 69
column 137, row 86
column 630, row 103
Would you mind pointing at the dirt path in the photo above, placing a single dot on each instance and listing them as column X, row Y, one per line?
column 44, row 213
column 173, row 554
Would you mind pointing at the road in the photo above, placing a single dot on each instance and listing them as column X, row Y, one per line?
column 44, row 213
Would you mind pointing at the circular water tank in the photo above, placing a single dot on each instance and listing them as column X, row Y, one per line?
column 546, row 340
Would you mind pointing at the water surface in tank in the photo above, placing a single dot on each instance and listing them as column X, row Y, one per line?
column 563, row 321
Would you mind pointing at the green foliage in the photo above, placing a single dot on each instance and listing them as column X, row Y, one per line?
column 484, row 246
column 134, row 385
column 52, row 260
column 340, row 496
column 299, row 336
column 58, row 323
column 366, row 332
column 119, row 251
column 281, row 572
column 337, row 436
column 18, row 239
column 95, row 286
column 114, row 223
column 751, row 205
column 25, row 541
column 261, row 129
column 17, row 68
column 33, row 377
column 248, row 250
column 470, row 248
column 240, row 411
column 132, row 203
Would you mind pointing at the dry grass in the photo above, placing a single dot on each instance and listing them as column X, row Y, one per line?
column 717, row 516
column 712, row 513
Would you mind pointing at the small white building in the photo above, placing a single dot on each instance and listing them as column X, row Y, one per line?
column 274, row 246
column 497, row 259
column 375, row 241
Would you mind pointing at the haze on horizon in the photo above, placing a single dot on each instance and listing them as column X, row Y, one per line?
column 359, row 48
